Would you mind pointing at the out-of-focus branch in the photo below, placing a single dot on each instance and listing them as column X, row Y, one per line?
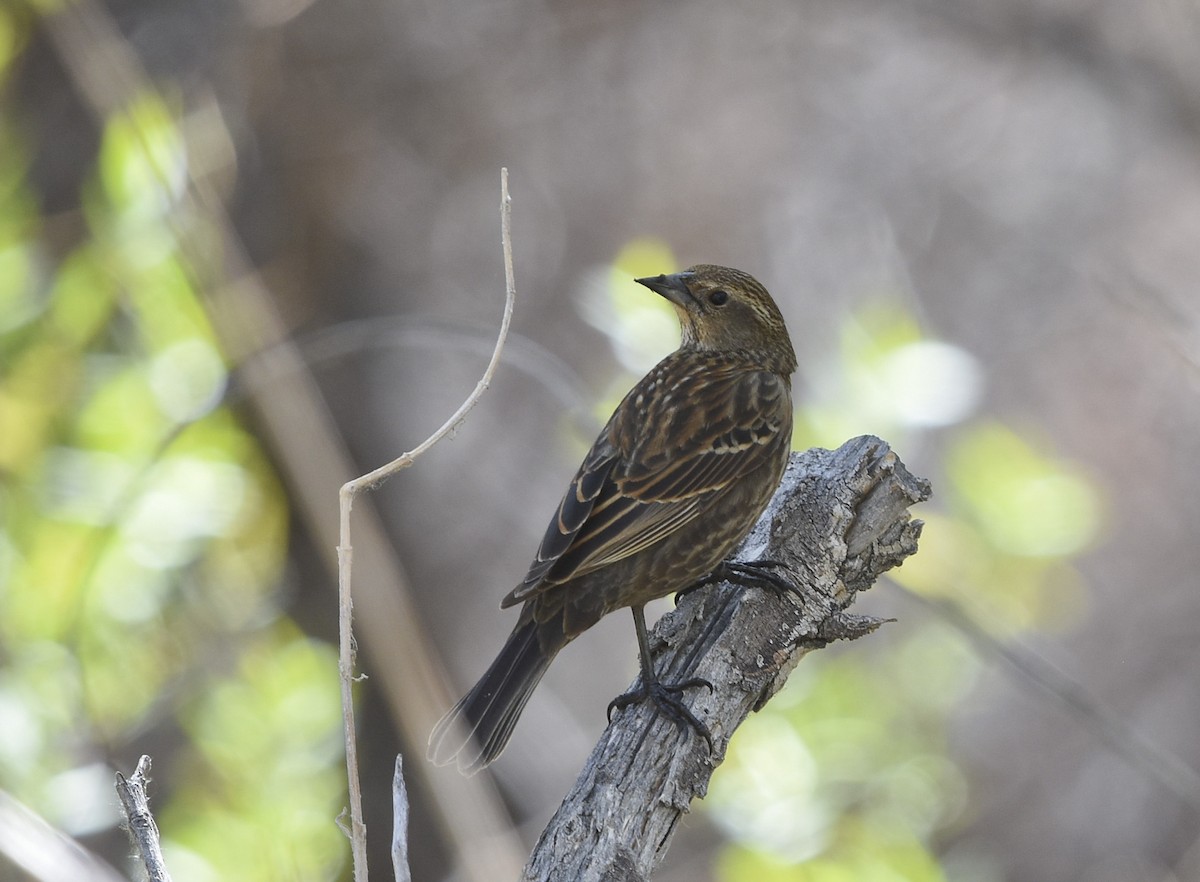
column 371, row 480
column 839, row 520
column 143, row 832
column 42, row 852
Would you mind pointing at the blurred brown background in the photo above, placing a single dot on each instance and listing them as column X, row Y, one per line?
column 1022, row 177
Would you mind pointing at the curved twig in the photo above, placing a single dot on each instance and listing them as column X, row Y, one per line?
column 369, row 481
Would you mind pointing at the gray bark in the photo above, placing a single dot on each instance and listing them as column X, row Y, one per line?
column 143, row 832
column 839, row 519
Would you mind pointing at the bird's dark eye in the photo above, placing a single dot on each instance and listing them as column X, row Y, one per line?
column 718, row 297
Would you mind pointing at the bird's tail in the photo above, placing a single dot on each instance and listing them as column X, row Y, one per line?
column 476, row 730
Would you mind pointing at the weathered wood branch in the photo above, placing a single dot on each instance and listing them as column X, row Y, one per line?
column 839, row 520
column 143, row 832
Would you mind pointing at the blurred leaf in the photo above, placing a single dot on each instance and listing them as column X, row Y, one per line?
column 642, row 326
column 83, row 297
column 643, row 257
column 259, row 805
column 165, row 305
column 17, row 301
column 121, row 415
column 864, row 856
column 9, row 37
column 143, row 165
column 888, row 380
column 843, row 743
column 1024, row 502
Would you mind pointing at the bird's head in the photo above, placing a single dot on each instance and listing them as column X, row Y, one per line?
column 726, row 310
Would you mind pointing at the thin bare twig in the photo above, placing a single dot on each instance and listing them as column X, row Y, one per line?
column 143, row 832
column 369, row 481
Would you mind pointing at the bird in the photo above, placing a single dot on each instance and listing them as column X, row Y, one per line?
column 676, row 479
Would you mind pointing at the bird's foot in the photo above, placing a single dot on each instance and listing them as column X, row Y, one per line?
column 667, row 698
column 749, row 572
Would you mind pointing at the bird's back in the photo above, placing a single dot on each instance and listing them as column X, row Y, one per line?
column 692, row 472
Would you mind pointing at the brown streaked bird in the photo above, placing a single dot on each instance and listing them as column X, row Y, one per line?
column 680, row 473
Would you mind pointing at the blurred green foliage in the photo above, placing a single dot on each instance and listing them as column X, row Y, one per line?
column 845, row 774
column 144, row 535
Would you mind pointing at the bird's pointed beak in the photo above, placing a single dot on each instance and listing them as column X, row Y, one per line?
column 673, row 287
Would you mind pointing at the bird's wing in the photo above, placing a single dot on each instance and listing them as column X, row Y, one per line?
column 659, row 464
column 593, row 481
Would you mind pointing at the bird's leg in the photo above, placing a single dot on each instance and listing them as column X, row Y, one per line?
column 665, row 697
column 746, row 572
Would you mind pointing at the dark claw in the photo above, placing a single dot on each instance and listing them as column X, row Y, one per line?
column 751, row 572
column 667, row 699
column 758, row 573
